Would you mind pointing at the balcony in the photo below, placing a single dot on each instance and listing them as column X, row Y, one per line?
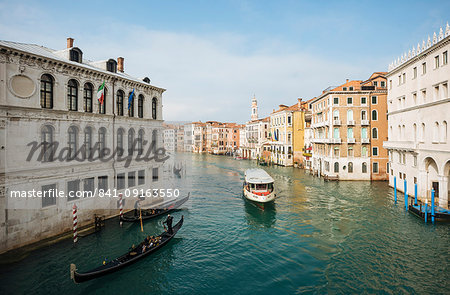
column 336, row 122
column 368, row 87
column 335, row 140
column 351, row 140
column 365, row 140
column 364, row 122
column 400, row 145
column 350, row 122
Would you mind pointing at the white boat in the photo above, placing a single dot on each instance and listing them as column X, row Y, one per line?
column 258, row 186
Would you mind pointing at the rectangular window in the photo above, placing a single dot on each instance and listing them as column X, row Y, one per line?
column 444, row 58
column 374, row 100
column 350, row 152
column 375, row 83
column 88, row 184
column 141, row 177
column 374, row 151
column 72, row 188
column 103, row 183
column 344, row 88
column 404, row 77
column 436, row 62
column 383, row 84
column 399, row 79
column 363, row 100
column 120, row 180
column 424, row 68
column 336, row 100
column 48, row 195
column 424, row 95
column 414, row 98
column 350, row 88
column 155, row 174
column 414, row 72
column 415, row 161
column 375, row 167
column 289, row 120
column 349, row 100
column 390, row 84
column 131, row 179
column 336, row 152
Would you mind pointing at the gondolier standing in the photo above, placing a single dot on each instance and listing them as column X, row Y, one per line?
column 169, row 224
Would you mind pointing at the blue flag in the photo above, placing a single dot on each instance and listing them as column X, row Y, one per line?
column 130, row 98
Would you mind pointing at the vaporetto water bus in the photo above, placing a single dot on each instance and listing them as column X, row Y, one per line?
column 258, row 186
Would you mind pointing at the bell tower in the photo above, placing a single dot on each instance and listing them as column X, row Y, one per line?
column 254, row 115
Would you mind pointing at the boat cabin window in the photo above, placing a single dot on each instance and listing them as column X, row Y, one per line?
column 270, row 187
column 252, row 186
column 261, row 187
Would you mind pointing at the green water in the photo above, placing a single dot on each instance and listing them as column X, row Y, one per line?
column 319, row 237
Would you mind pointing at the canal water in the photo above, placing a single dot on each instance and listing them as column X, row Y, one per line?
column 319, row 237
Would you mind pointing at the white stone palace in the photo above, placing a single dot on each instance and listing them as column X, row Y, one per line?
column 418, row 118
column 50, row 96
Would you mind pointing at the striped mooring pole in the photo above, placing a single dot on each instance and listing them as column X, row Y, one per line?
column 121, row 205
column 395, row 189
column 75, row 223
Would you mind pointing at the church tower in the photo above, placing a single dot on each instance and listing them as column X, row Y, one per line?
column 254, row 115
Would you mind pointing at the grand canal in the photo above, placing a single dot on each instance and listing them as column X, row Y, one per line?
column 319, row 237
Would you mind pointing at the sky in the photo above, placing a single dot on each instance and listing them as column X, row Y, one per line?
column 213, row 56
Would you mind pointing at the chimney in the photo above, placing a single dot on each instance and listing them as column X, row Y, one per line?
column 120, row 64
column 70, row 42
column 346, row 80
column 299, row 102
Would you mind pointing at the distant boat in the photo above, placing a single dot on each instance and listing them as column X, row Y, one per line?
column 152, row 213
column 258, row 186
column 124, row 260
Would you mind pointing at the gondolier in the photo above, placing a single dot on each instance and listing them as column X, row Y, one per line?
column 169, row 224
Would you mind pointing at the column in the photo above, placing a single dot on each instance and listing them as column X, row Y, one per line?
column 422, row 184
column 443, row 191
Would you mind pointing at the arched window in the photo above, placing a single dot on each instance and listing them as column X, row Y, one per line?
column 374, row 133
column 336, row 167
column 422, row 133
column 76, row 55
column 72, row 95
column 363, row 115
column 88, row 97
column 154, row 108
column 102, row 106
column 140, row 142
column 350, row 167
column 444, row 132
column 87, row 142
column 415, row 132
column 72, row 142
column 102, row 141
column 336, row 115
column 120, row 148
column 364, row 167
column 141, row 106
column 436, row 132
column 120, row 95
column 130, row 141
column 130, row 104
column 47, row 143
column 404, row 132
column 155, row 138
column 46, row 92
column 349, row 115
column 364, row 151
column 374, row 115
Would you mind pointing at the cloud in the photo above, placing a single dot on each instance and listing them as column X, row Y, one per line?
column 207, row 77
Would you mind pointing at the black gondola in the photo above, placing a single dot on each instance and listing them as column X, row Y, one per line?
column 152, row 213
column 124, row 260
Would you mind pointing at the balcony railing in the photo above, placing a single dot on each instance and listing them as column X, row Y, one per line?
column 335, row 140
column 365, row 140
column 350, row 122
column 364, row 122
column 336, row 122
column 351, row 140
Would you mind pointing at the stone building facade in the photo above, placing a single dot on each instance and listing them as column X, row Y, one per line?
column 49, row 96
column 419, row 114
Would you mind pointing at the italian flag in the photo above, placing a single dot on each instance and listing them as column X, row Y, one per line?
column 101, row 93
